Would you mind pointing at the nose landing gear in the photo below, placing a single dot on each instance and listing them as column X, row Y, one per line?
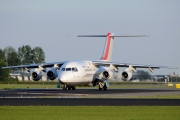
column 68, row 87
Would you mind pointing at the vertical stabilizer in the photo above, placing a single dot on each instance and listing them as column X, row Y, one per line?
column 108, row 47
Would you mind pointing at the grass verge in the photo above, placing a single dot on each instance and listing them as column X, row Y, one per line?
column 17, row 86
column 53, row 86
column 89, row 113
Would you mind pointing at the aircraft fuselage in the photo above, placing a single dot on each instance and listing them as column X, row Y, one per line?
column 79, row 73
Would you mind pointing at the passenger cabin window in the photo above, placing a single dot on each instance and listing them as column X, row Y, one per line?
column 74, row 69
column 63, row 69
column 68, row 69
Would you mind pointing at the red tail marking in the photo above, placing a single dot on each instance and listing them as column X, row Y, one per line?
column 107, row 47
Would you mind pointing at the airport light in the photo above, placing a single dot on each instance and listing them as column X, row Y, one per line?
column 176, row 74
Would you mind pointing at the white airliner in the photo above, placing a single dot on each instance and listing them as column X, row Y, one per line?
column 91, row 73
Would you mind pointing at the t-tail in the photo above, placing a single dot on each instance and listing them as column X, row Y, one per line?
column 108, row 47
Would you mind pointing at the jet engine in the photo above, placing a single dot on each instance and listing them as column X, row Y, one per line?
column 126, row 75
column 52, row 74
column 36, row 74
column 107, row 75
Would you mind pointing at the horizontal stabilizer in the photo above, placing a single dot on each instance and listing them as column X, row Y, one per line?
column 113, row 35
column 92, row 36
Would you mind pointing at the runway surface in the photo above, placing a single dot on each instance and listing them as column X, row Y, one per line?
column 84, row 93
column 86, row 97
column 87, row 102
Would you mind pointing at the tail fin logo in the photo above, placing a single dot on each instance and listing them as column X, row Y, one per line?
column 108, row 48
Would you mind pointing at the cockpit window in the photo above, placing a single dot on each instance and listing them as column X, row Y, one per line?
column 68, row 69
column 74, row 69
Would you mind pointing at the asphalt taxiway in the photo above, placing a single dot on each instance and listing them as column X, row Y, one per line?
column 94, row 97
column 87, row 102
column 85, row 93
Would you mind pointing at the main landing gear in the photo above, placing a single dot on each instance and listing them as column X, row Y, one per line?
column 102, row 86
column 68, row 87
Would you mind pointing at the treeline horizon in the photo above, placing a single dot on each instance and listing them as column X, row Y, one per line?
column 25, row 54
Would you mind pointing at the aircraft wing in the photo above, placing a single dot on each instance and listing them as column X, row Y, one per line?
column 43, row 65
column 115, row 64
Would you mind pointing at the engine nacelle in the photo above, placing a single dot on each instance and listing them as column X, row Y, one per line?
column 126, row 75
column 107, row 75
column 52, row 74
column 36, row 74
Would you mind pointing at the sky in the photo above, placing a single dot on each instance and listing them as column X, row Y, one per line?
column 54, row 25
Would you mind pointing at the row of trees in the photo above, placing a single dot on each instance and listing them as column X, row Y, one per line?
column 143, row 75
column 24, row 55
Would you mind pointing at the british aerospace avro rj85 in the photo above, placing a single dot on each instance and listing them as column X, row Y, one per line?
column 91, row 73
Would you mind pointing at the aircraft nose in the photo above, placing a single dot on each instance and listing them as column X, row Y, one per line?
column 65, row 77
column 61, row 78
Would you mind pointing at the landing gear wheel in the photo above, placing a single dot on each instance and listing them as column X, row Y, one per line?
column 105, row 87
column 64, row 87
column 69, row 87
column 100, row 87
column 73, row 87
